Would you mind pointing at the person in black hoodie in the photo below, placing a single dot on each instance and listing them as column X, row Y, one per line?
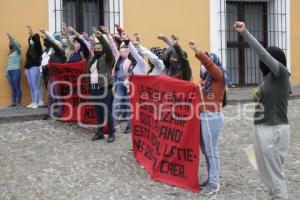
column 57, row 56
column 271, row 135
column 32, row 66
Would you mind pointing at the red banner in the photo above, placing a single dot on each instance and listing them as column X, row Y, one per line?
column 166, row 129
column 74, row 90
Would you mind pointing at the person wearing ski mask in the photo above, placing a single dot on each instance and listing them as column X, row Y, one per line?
column 32, row 67
column 57, row 56
column 271, row 133
column 13, row 70
column 213, row 83
column 101, row 82
column 175, row 59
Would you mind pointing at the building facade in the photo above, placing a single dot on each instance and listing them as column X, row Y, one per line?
column 273, row 22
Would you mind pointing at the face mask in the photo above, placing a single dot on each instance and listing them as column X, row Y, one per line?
column 31, row 42
column 64, row 42
column 76, row 47
column 124, row 52
column 98, row 54
column 203, row 72
column 174, row 62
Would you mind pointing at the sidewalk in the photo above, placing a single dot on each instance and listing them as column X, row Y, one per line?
column 244, row 95
column 22, row 114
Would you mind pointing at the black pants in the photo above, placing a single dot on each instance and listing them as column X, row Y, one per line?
column 103, row 107
column 45, row 73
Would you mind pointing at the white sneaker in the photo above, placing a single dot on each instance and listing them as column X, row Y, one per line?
column 35, row 106
column 30, row 105
column 41, row 103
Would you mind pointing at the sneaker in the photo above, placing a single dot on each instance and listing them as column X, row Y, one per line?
column 57, row 115
column 98, row 136
column 41, row 104
column 210, row 189
column 111, row 139
column 35, row 105
column 18, row 105
column 46, row 117
column 12, row 105
column 203, row 185
column 30, row 105
column 127, row 130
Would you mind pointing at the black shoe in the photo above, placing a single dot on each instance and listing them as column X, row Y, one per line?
column 111, row 139
column 12, row 105
column 57, row 115
column 46, row 117
column 203, row 185
column 127, row 130
column 98, row 137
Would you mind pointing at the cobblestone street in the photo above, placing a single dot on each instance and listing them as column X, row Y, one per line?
column 42, row 160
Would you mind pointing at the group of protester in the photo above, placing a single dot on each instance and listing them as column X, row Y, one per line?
column 116, row 57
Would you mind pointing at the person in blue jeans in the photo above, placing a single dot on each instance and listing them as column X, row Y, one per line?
column 13, row 72
column 213, row 85
column 32, row 66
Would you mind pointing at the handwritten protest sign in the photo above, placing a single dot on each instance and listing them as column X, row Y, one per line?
column 165, row 129
column 74, row 91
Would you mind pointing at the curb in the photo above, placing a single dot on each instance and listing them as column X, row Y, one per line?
column 18, row 117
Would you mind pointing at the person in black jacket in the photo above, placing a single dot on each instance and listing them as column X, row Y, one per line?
column 175, row 59
column 101, row 83
column 32, row 66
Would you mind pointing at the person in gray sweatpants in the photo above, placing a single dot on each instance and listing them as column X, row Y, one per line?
column 271, row 133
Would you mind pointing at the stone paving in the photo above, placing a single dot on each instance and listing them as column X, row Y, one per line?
column 43, row 160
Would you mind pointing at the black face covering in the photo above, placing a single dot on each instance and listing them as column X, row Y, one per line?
column 98, row 54
column 278, row 54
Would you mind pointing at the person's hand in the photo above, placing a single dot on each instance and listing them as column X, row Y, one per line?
column 43, row 31
column 104, row 30
column 136, row 44
column 193, row 46
column 239, row 26
column 137, row 37
column 174, row 38
column 71, row 29
column 162, row 37
column 117, row 26
column 98, row 34
column 30, row 30
column 94, row 30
